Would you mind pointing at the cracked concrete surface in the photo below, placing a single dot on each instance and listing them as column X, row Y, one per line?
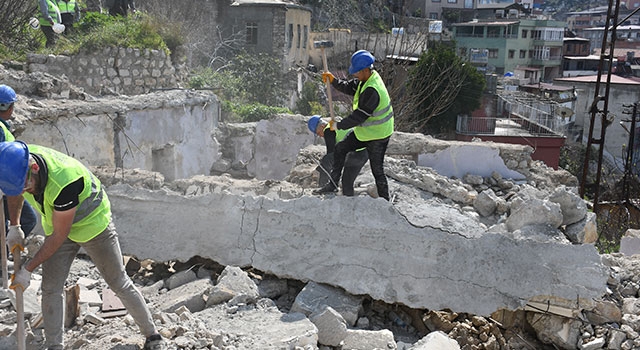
column 363, row 245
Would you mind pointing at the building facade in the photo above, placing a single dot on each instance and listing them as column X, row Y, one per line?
column 279, row 28
column 530, row 46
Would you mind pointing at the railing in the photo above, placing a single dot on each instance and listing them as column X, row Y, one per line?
column 514, row 125
column 467, row 125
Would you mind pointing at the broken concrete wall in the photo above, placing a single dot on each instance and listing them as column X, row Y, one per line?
column 178, row 134
column 361, row 244
column 168, row 132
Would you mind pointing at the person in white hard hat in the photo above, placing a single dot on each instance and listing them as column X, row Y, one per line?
column 49, row 15
column 69, row 13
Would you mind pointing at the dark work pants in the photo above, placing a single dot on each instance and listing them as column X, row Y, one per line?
column 352, row 166
column 376, row 150
column 49, row 34
column 68, row 19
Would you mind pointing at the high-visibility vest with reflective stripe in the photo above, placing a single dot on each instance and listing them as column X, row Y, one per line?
column 341, row 134
column 67, row 7
column 54, row 12
column 93, row 213
column 379, row 125
column 8, row 136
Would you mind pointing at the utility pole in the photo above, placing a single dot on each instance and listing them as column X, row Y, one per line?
column 599, row 110
column 630, row 160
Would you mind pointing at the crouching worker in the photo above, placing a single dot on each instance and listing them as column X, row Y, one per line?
column 75, row 213
column 353, row 164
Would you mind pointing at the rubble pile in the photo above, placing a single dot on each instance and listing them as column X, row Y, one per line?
column 199, row 304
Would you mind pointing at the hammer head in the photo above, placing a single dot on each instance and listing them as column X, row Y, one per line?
column 323, row 43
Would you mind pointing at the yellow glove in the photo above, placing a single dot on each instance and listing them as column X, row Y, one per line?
column 327, row 76
column 333, row 124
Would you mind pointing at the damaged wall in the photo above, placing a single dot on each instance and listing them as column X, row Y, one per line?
column 169, row 132
column 362, row 245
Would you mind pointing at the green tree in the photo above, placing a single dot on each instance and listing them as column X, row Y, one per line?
column 251, row 86
column 439, row 88
column 308, row 103
column 261, row 77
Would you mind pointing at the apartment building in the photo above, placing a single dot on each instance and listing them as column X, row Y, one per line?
column 531, row 49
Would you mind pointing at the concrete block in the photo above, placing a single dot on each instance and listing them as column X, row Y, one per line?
column 315, row 297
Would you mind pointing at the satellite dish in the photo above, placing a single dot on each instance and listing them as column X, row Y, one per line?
column 564, row 112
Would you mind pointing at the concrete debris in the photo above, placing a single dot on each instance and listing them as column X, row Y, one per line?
column 190, row 320
column 273, row 225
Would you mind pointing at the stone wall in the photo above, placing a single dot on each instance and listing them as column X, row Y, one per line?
column 111, row 70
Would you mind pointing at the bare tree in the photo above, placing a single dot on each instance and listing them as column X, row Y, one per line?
column 14, row 16
column 430, row 88
column 204, row 42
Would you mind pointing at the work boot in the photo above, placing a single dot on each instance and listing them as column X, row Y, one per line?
column 328, row 188
column 155, row 342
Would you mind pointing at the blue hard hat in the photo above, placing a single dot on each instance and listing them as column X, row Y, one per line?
column 7, row 97
column 14, row 163
column 360, row 60
column 313, row 123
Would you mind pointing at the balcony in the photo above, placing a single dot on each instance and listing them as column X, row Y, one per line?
column 511, row 126
column 523, row 125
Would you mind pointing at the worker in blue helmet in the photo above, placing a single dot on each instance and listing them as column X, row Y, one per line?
column 76, row 213
column 353, row 164
column 371, row 119
column 28, row 219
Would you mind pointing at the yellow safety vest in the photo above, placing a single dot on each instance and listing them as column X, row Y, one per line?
column 341, row 134
column 53, row 11
column 8, row 136
column 93, row 213
column 379, row 125
column 67, row 6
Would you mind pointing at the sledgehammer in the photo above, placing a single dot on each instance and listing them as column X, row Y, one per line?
column 20, row 331
column 322, row 44
column 3, row 243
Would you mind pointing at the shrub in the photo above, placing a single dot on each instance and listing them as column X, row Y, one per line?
column 96, row 31
column 252, row 112
column 308, row 103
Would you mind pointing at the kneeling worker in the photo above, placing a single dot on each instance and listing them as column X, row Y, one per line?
column 353, row 164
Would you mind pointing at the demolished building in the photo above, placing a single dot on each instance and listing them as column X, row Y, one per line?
column 473, row 227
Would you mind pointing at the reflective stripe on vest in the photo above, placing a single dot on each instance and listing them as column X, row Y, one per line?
column 53, row 11
column 67, row 7
column 379, row 124
column 341, row 134
column 93, row 213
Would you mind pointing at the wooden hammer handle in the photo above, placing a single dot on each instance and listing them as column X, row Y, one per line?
column 328, row 84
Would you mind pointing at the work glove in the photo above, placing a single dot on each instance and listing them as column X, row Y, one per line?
column 327, row 77
column 21, row 279
column 333, row 124
column 15, row 238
